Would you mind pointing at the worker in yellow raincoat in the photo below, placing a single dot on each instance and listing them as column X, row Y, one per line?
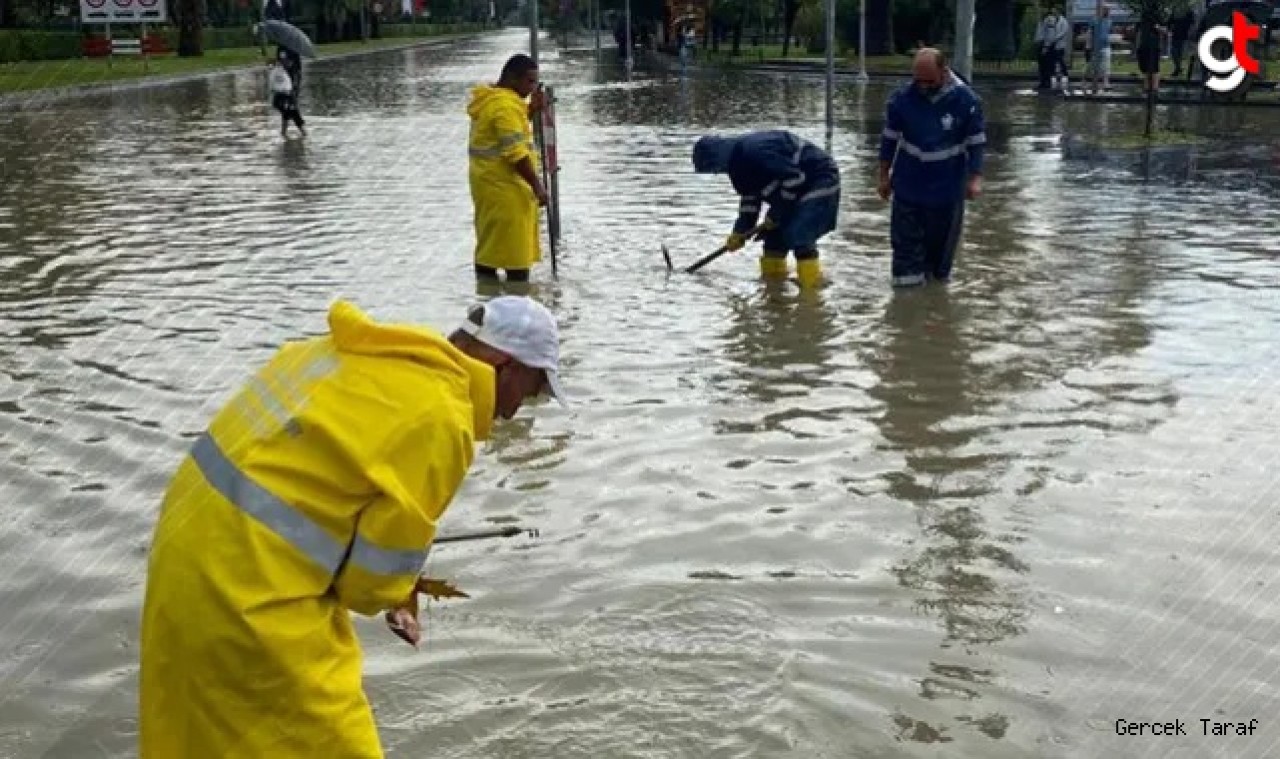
column 316, row 492
column 505, row 188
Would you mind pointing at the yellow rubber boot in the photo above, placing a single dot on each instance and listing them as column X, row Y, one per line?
column 809, row 272
column 773, row 267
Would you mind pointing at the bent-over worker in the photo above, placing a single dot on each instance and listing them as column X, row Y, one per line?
column 930, row 161
column 313, row 493
column 503, row 173
column 799, row 182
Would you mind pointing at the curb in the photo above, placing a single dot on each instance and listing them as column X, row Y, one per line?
column 17, row 101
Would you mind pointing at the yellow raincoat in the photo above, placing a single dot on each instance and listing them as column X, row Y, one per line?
column 506, row 210
column 315, row 491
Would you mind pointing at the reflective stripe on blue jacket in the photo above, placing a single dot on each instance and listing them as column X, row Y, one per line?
column 935, row 142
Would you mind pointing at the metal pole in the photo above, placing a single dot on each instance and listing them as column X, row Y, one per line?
column 554, row 189
column 504, row 532
column 831, row 67
column 533, row 30
column 862, row 41
column 963, row 58
column 628, row 63
column 595, row 24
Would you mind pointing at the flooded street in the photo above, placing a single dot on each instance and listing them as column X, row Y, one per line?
column 987, row 521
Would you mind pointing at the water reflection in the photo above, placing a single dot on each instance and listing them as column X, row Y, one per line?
column 926, row 379
column 779, row 340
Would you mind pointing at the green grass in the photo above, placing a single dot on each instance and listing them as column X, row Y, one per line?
column 1157, row 139
column 27, row 76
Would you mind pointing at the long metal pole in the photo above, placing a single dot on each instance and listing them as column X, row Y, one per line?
column 831, row 67
column 963, row 63
column 595, row 9
column 862, row 41
column 533, row 30
column 628, row 62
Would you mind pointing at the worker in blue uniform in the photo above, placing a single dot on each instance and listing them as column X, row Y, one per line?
column 795, row 178
column 930, row 162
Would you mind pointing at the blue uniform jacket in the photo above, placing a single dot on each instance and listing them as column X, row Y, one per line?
column 938, row 142
column 774, row 167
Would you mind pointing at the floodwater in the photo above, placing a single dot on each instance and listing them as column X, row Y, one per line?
column 987, row 521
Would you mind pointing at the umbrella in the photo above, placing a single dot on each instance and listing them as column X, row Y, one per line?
column 287, row 35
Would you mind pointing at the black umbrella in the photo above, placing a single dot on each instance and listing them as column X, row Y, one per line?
column 288, row 36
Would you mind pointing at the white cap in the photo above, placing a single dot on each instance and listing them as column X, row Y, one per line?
column 523, row 328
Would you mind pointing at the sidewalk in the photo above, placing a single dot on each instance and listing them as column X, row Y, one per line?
column 846, row 68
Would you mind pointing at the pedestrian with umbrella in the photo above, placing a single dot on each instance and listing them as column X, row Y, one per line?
column 284, row 97
column 292, row 45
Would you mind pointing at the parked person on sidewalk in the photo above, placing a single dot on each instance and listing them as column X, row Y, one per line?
column 798, row 180
column 284, row 99
column 1100, row 50
column 316, row 492
column 1051, row 41
column 503, row 173
column 930, row 161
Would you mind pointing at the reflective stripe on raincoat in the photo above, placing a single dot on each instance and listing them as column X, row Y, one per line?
column 506, row 210
column 316, row 490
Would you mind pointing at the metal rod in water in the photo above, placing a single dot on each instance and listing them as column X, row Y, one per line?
column 504, row 532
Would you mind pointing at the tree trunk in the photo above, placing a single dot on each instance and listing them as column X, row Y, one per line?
column 993, row 36
column 737, row 37
column 879, row 27
column 190, row 38
column 790, row 9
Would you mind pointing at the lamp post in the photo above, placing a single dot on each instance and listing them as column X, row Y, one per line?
column 533, row 30
column 831, row 67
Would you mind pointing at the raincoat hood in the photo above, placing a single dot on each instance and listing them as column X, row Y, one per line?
column 354, row 332
column 485, row 96
column 711, row 154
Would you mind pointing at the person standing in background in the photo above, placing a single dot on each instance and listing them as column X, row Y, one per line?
column 1147, row 46
column 1051, row 41
column 1100, row 50
column 1179, row 33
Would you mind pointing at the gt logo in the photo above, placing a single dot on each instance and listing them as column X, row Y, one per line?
column 1230, row 70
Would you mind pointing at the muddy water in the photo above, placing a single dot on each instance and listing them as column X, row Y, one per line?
column 981, row 522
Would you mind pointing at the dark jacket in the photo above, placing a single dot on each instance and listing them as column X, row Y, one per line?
column 774, row 167
column 935, row 143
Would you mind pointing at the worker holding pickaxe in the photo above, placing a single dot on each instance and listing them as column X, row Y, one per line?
column 797, row 180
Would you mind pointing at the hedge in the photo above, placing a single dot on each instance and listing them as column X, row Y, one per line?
column 40, row 45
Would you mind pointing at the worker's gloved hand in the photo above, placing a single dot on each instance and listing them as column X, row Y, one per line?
column 767, row 226
column 403, row 620
column 735, row 241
